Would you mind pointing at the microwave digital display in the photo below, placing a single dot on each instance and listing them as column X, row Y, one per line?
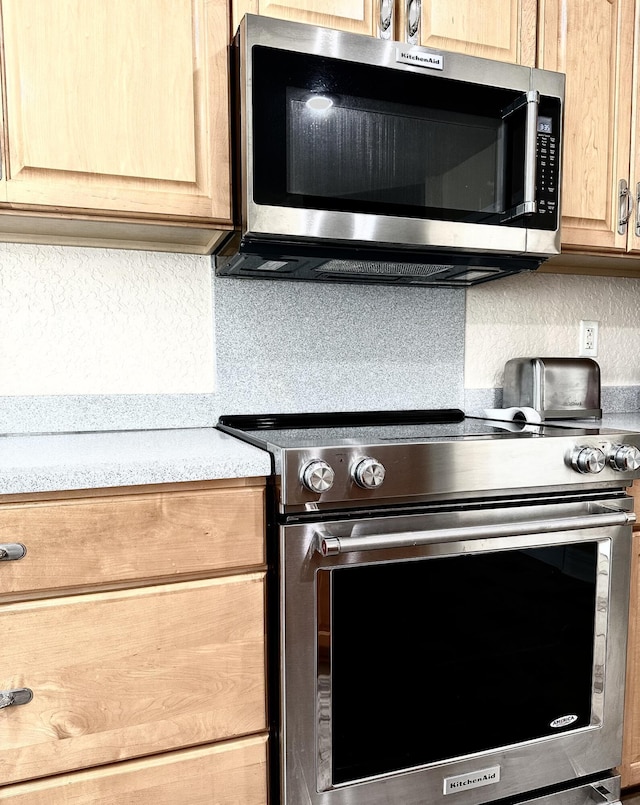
column 545, row 125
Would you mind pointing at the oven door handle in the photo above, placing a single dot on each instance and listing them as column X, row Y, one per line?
column 329, row 545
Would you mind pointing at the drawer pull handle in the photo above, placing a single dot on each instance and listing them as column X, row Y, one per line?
column 16, row 696
column 11, row 550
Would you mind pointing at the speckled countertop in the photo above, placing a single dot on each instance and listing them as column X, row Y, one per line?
column 53, row 462
column 623, row 421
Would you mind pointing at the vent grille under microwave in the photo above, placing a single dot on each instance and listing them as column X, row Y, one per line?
column 370, row 267
column 455, row 271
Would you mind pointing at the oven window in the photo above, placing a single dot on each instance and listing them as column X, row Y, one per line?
column 443, row 657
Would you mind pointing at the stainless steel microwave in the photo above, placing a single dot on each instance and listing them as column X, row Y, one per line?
column 366, row 160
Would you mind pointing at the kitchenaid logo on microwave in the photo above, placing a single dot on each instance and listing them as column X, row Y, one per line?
column 419, row 58
column 452, row 785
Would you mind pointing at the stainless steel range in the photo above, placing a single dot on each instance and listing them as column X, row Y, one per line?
column 449, row 607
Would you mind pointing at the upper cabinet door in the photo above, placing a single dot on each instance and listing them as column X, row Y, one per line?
column 494, row 29
column 356, row 16
column 118, row 107
column 634, row 182
column 593, row 44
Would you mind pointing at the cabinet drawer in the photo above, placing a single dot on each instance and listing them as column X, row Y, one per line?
column 122, row 674
column 79, row 542
column 231, row 773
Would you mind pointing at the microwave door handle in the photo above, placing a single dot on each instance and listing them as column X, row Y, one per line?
column 329, row 545
column 533, row 103
column 528, row 204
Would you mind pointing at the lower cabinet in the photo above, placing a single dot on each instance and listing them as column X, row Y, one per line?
column 143, row 655
column 630, row 768
column 229, row 773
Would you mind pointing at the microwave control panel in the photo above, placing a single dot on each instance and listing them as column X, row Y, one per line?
column 548, row 164
column 547, row 154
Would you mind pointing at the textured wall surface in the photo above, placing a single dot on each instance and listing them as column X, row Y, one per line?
column 103, row 321
column 539, row 315
column 95, row 339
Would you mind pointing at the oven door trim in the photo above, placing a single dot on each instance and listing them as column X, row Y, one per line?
column 305, row 738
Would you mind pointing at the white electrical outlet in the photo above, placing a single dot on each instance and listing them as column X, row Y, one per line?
column 588, row 338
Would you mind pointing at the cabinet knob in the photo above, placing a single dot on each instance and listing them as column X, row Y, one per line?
column 11, row 550
column 8, row 698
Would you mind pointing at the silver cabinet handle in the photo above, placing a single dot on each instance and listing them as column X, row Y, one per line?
column 328, row 545
column 625, row 199
column 386, row 19
column 413, row 14
column 638, row 209
column 8, row 698
column 11, row 550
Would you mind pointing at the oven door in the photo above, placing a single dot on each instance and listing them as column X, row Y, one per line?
column 458, row 657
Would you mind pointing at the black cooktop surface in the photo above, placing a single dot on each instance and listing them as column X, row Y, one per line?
column 385, row 427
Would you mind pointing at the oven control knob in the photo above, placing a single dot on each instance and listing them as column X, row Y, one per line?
column 624, row 457
column 368, row 473
column 317, row 476
column 588, row 459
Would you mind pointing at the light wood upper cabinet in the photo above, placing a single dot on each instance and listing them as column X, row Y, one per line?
column 117, row 108
column 356, row 16
column 633, row 243
column 593, row 43
column 495, row 29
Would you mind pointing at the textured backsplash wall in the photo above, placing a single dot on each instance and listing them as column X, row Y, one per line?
column 101, row 321
column 95, row 339
column 105, row 339
column 539, row 315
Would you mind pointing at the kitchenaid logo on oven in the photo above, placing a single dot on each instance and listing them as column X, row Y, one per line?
column 419, row 58
column 473, row 780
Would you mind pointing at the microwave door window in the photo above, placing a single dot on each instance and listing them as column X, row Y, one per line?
column 343, row 148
